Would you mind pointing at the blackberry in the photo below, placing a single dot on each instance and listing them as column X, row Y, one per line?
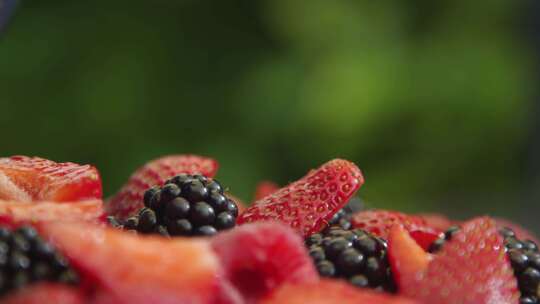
column 524, row 256
column 343, row 217
column 353, row 255
column 186, row 205
column 26, row 258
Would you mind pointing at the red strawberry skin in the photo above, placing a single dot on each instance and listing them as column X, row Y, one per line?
column 45, row 293
column 25, row 178
column 260, row 257
column 379, row 222
column 309, row 203
column 130, row 197
column 264, row 189
column 133, row 269
column 13, row 214
column 330, row 292
column 471, row 268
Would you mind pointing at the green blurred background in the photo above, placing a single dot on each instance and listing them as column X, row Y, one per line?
column 434, row 100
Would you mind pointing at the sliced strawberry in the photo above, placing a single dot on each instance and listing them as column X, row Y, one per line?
column 470, row 268
column 25, row 178
column 260, row 257
column 379, row 222
column 264, row 189
column 406, row 257
column 45, row 293
column 130, row 197
column 309, row 203
column 329, row 292
column 437, row 221
column 134, row 269
column 16, row 213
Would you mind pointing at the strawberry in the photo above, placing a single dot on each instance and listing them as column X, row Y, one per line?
column 472, row 267
column 25, row 178
column 308, row 204
column 328, row 292
column 406, row 257
column 133, row 269
column 264, row 189
column 129, row 199
column 437, row 221
column 270, row 254
column 379, row 222
column 16, row 213
column 45, row 293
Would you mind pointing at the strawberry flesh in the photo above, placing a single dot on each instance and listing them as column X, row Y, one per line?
column 129, row 199
column 45, row 293
column 329, row 292
column 260, row 257
column 470, row 268
column 13, row 214
column 406, row 257
column 308, row 204
column 25, row 178
column 132, row 269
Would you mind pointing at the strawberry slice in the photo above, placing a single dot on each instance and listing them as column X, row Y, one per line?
column 45, row 293
column 13, row 214
column 308, row 204
column 406, row 257
column 470, row 268
column 379, row 223
column 154, row 173
column 270, row 254
column 329, row 292
column 133, row 269
column 25, row 178
column 264, row 189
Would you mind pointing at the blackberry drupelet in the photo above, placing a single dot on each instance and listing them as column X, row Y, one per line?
column 353, row 255
column 343, row 217
column 26, row 258
column 186, row 205
column 524, row 256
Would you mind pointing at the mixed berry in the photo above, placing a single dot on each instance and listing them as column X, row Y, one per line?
column 179, row 238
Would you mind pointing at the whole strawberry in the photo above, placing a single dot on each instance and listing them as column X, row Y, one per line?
column 129, row 200
column 308, row 204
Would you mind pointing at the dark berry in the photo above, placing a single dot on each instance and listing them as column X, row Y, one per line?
column 354, row 255
column 206, row 230
column 194, row 191
column 185, row 205
column 178, row 208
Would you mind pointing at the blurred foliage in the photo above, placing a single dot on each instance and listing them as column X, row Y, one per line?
column 430, row 98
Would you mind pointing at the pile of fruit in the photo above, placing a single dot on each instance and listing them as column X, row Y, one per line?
column 174, row 234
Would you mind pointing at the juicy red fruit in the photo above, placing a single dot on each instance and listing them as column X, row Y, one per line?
column 308, row 204
column 260, row 257
column 154, row 173
column 45, row 293
column 471, row 268
column 25, row 178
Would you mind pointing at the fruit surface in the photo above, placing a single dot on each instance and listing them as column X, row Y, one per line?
column 187, row 205
column 17, row 213
column 309, row 203
column 356, row 256
column 45, row 293
column 129, row 199
column 472, row 267
column 437, row 221
column 133, row 269
column 260, row 257
column 406, row 257
column 379, row 222
column 25, row 178
column 329, row 292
